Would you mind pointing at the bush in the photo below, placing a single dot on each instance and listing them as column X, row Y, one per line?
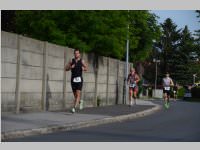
column 195, row 92
column 140, row 88
column 181, row 92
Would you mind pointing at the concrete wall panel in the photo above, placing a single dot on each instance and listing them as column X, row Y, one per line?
column 9, row 40
column 8, row 70
column 8, row 55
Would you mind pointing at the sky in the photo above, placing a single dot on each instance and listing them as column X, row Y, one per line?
column 180, row 18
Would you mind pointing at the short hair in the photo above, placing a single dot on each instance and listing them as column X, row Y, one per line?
column 132, row 68
column 76, row 50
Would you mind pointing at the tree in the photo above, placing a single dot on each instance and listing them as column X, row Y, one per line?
column 169, row 42
column 7, row 20
column 40, row 25
column 143, row 30
column 197, row 37
column 102, row 32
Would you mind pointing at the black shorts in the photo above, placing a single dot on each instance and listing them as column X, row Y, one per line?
column 76, row 86
column 166, row 91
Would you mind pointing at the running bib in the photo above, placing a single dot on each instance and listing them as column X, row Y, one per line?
column 77, row 79
column 132, row 85
column 167, row 88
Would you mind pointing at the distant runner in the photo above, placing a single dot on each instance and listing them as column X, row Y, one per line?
column 76, row 65
column 167, row 83
column 133, row 79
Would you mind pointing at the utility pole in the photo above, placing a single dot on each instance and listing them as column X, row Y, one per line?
column 127, row 60
column 194, row 76
column 156, row 61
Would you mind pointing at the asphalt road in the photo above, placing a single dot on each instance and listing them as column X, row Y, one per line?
column 180, row 123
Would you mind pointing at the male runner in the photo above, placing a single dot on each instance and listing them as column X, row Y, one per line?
column 76, row 65
column 167, row 83
column 133, row 79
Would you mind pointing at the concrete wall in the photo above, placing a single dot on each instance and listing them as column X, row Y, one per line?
column 33, row 76
column 158, row 93
column 9, row 46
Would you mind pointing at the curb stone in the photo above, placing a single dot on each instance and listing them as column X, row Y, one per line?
column 72, row 126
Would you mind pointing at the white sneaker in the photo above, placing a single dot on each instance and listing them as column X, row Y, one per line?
column 73, row 110
column 131, row 103
column 81, row 105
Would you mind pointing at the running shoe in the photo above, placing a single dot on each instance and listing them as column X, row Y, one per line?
column 73, row 110
column 166, row 106
column 81, row 105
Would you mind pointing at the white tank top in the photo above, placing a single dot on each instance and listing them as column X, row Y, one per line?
column 166, row 82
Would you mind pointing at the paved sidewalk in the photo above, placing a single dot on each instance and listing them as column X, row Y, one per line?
column 26, row 124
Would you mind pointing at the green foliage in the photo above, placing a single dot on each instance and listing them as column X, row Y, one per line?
column 140, row 88
column 181, row 92
column 143, row 30
column 169, row 41
column 102, row 32
column 176, row 47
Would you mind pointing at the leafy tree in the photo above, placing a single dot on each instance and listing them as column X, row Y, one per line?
column 7, row 20
column 102, row 32
column 143, row 30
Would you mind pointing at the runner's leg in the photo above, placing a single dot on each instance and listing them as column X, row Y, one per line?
column 130, row 96
column 165, row 98
column 135, row 94
column 73, row 109
column 78, row 96
column 168, row 98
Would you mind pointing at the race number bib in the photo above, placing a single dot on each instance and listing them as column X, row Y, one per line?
column 167, row 88
column 132, row 85
column 77, row 79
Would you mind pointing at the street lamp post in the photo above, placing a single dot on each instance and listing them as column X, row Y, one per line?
column 127, row 60
column 194, row 76
column 156, row 61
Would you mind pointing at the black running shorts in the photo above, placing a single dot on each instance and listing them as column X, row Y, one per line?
column 76, row 86
column 166, row 91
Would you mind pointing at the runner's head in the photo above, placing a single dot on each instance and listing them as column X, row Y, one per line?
column 132, row 71
column 77, row 53
column 167, row 74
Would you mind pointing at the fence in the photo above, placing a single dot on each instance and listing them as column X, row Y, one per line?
column 33, row 76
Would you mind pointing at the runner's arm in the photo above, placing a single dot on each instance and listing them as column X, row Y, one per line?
column 68, row 66
column 171, row 83
column 85, row 66
column 137, row 78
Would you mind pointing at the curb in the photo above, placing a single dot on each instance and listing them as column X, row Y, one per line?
column 68, row 127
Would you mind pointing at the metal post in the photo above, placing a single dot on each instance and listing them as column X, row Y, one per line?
column 155, row 80
column 194, row 76
column 107, row 82
column 18, row 76
column 44, row 77
column 127, row 60
column 96, row 81
column 156, row 61
column 64, row 81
